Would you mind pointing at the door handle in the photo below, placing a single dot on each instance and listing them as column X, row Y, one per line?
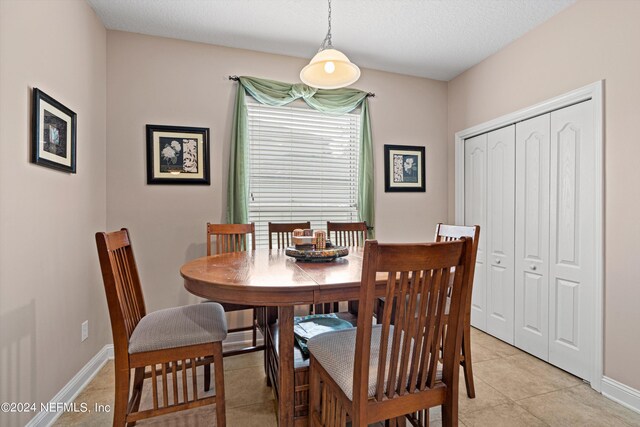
column 497, row 261
column 534, row 268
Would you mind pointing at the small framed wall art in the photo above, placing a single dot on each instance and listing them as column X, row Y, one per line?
column 404, row 168
column 177, row 155
column 53, row 133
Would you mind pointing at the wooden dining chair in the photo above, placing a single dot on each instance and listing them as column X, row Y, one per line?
column 346, row 234
column 169, row 342
column 395, row 370
column 446, row 233
column 236, row 238
column 282, row 232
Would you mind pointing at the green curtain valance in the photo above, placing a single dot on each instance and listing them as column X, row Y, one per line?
column 331, row 101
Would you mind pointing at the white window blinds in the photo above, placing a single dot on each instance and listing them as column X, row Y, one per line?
column 303, row 166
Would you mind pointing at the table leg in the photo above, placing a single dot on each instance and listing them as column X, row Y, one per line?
column 285, row 368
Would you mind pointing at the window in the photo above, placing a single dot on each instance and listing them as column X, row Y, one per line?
column 303, row 166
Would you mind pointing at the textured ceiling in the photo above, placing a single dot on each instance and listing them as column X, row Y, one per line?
column 438, row 39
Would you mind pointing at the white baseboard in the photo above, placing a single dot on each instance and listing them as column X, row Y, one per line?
column 622, row 394
column 71, row 390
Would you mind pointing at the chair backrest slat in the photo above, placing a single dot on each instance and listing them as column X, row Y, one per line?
column 124, row 290
column 283, row 232
column 441, row 294
column 420, row 341
column 347, row 233
column 122, row 284
column 384, row 336
column 418, row 279
column 231, row 237
column 395, row 346
column 409, row 326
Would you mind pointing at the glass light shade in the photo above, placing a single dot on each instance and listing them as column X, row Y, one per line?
column 315, row 73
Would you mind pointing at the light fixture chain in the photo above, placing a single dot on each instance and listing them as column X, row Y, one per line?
column 329, row 19
column 326, row 43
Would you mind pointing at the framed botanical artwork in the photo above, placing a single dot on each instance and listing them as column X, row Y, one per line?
column 177, row 155
column 53, row 133
column 404, row 168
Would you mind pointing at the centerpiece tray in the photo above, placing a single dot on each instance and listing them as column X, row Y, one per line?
column 317, row 255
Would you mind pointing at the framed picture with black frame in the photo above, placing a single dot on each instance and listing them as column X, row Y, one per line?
column 404, row 168
column 53, row 133
column 177, row 155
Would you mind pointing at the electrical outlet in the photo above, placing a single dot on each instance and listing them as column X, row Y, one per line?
column 85, row 330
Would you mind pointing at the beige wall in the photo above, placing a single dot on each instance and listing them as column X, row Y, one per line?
column 154, row 80
column 49, row 275
column 589, row 41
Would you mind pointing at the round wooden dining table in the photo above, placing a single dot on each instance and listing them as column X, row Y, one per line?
column 266, row 277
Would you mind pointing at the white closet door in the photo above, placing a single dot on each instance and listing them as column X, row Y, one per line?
column 500, row 232
column 475, row 213
column 532, row 241
column 572, row 253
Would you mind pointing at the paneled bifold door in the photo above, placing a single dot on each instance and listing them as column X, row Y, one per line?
column 532, row 229
column 475, row 212
column 572, row 255
column 500, row 231
column 489, row 200
column 530, row 186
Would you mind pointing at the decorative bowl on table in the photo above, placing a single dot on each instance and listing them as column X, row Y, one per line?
column 317, row 255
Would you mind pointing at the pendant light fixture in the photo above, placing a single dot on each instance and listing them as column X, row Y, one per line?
column 329, row 68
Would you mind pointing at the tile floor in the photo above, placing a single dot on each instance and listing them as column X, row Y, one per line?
column 512, row 389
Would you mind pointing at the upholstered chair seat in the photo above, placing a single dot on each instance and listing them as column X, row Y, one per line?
column 335, row 351
column 178, row 327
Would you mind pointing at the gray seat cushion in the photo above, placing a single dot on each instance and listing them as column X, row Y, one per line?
column 336, row 350
column 179, row 327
